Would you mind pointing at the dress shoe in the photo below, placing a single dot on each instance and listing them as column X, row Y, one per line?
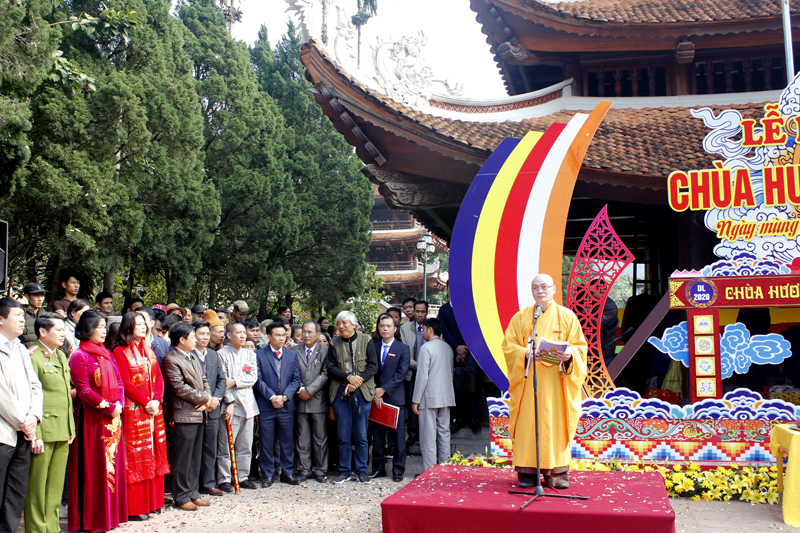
column 200, row 502
column 378, row 473
column 247, row 484
column 138, row 518
column 320, row 478
column 290, row 480
column 389, row 454
column 213, row 491
column 562, row 484
column 188, row 506
column 225, row 487
column 455, row 426
column 411, row 441
column 475, row 426
column 397, row 477
column 301, row 478
column 266, row 482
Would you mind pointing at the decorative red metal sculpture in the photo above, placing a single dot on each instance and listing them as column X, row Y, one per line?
column 600, row 260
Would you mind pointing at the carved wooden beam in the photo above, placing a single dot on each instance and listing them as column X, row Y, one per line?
column 344, row 114
column 410, row 191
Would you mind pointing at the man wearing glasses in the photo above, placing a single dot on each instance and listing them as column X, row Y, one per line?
column 559, row 387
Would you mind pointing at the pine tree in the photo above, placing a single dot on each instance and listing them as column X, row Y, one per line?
column 245, row 157
column 335, row 198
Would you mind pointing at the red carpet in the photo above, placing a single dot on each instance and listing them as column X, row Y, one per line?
column 464, row 498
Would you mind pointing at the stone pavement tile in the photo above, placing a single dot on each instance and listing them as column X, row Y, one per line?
column 711, row 514
column 718, row 530
column 723, row 523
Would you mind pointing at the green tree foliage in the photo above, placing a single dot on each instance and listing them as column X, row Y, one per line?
column 137, row 147
column 244, row 145
column 333, row 230
column 366, row 305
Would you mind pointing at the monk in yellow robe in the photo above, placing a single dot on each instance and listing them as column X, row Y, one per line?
column 559, row 388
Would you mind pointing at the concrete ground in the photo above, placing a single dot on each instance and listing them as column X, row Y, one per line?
column 352, row 507
column 725, row 517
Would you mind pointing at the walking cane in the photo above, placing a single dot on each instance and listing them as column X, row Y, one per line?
column 234, row 470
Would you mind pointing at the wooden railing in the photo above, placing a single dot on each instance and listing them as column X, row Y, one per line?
column 396, row 265
column 393, row 224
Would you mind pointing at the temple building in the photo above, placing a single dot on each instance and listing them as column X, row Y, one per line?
column 655, row 59
column 393, row 251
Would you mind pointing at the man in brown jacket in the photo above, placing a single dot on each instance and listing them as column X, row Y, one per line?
column 190, row 396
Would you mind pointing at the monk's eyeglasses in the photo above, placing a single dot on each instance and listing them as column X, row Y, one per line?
column 535, row 288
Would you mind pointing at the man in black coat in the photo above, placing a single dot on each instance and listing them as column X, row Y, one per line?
column 216, row 381
column 466, row 411
column 394, row 360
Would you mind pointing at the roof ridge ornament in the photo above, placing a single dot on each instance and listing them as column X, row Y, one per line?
column 401, row 72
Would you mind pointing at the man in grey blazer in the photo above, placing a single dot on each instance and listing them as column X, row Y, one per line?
column 312, row 407
column 217, row 383
column 434, row 395
column 411, row 335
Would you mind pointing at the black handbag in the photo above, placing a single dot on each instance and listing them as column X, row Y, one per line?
column 464, row 379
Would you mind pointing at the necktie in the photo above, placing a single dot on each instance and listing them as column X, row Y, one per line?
column 308, row 355
column 385, row 351
column 277, row 354
column 419, row 328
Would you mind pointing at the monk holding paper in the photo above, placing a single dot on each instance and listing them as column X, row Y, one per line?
column 559, row 387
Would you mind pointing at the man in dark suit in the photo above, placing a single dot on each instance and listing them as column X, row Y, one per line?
column 394, row 360
column 278, row 381
column 216, row 382
column 466, row 411
column 312, row 404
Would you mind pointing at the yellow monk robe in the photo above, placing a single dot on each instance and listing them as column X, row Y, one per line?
column 559, row 391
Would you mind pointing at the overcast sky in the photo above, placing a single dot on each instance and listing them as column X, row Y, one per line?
column 456, row 49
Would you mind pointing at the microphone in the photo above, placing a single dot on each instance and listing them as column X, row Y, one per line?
column 537, row 311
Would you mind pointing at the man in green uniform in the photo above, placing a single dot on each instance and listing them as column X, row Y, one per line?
column 35, row 295
column 54, row 435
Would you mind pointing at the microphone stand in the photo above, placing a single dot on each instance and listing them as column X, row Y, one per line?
column 538, row 491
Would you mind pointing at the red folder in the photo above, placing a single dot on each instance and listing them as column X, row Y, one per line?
column 386, row 416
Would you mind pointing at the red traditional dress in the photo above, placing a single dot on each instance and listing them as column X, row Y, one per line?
column 145, row 436
column 98, row 499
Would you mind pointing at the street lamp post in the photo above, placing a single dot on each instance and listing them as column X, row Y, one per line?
column 425, row 248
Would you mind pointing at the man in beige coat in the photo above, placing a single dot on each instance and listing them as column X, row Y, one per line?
column 20, row 413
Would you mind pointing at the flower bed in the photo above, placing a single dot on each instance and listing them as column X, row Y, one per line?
column 688, row 480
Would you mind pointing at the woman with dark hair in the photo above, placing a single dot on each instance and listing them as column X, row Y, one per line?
column 74, row 311
column 297, row 334
column 325, row 339
column 111, row 335
column 98, row 497
column 142, row 418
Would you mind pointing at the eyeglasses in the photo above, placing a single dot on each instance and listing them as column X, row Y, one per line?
column 535, row 288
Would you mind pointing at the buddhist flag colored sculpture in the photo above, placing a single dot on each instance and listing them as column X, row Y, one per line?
column 511, row 227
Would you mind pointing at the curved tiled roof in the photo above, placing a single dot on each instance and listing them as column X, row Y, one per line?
column 649, row 142
column 382, row 236
column 657, row 11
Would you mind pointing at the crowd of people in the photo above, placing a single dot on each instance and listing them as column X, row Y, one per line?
column 103, row 414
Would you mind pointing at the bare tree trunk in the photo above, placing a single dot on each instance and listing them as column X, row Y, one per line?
column 131, row 277
column 212, row 292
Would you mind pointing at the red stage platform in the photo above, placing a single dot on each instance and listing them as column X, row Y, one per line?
column 466, row 498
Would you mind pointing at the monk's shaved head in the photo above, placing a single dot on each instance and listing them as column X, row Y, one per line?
column 542, row 279
column 543, row 289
